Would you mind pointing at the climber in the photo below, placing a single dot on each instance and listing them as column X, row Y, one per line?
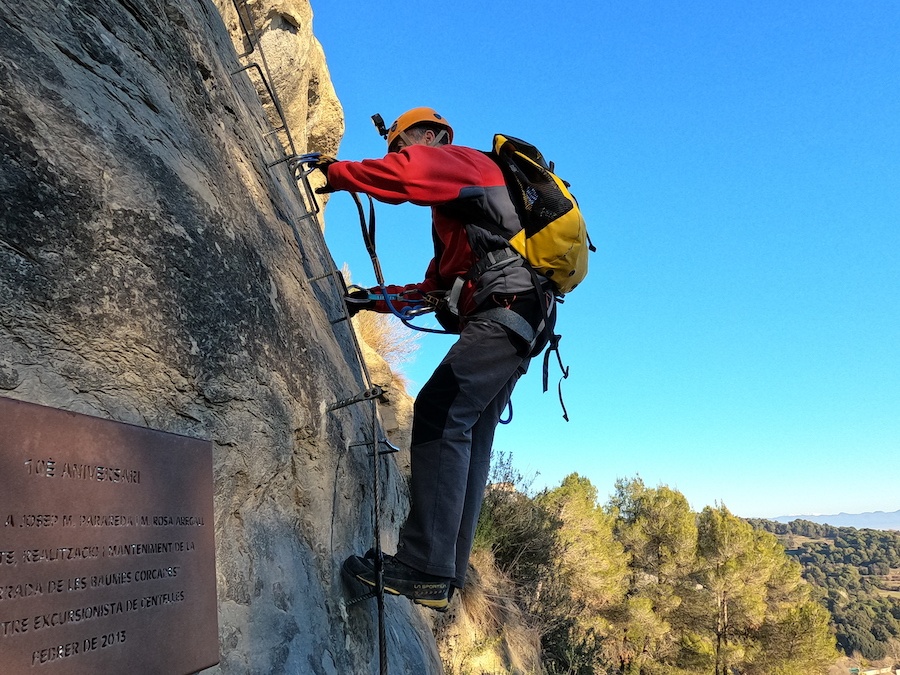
column 501, row 311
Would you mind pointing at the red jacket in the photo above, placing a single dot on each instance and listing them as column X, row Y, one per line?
column 462, row 186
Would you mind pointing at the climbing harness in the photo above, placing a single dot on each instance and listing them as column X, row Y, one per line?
column 553, row 346
column 508, row 418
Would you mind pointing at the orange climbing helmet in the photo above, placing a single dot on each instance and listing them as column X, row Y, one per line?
column 415, row 117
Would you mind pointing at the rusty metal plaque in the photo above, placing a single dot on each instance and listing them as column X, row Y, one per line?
column 107, row 549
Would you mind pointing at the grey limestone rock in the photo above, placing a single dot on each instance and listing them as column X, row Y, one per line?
column 150, row 274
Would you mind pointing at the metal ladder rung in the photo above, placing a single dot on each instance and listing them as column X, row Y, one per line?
column 367, row 395
column 391, row 448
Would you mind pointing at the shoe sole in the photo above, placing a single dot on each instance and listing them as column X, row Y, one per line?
column 439, row 604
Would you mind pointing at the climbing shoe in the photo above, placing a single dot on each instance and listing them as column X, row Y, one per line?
column 399, row 579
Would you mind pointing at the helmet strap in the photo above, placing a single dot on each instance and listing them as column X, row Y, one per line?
column 439, row 138
column 403, row 136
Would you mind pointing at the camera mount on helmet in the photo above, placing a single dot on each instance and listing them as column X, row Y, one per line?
column 378, row 120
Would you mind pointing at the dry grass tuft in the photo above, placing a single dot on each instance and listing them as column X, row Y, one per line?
column 486, row 631
column 390, row 339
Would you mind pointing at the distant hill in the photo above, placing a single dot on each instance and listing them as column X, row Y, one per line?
column 855, row 570
column 877, row 520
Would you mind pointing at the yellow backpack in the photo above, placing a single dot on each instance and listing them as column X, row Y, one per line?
column 554, row 238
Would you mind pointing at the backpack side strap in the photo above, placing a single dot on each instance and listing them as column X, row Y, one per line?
column 554, row 347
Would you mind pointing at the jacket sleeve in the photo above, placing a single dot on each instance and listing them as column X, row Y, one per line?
column 426, row 176
column 401, row 297
column 418, row 174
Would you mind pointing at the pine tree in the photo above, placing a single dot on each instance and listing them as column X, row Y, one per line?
column 590, row 576
column 762, row 619
column 659, row 531
column 796, row 641
column 731, row 579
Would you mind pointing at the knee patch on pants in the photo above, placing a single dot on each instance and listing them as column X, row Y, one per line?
column 433, row 405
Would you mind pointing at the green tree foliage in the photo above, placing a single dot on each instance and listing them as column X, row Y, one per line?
column 732, row 576
column 659, row 532
column 521, row 534
column 587, row 581
column 753, row 590
column 658, row 529
column 590, row 559
column 796, row 641
column 850, row 569
column 645, row 586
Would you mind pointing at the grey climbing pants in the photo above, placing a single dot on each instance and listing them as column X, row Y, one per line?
column 455, row 416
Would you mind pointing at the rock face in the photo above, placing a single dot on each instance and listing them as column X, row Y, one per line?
column 279, row 36
column 154, row 271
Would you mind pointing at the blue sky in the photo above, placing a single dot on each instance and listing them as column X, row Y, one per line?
column 738, row 336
